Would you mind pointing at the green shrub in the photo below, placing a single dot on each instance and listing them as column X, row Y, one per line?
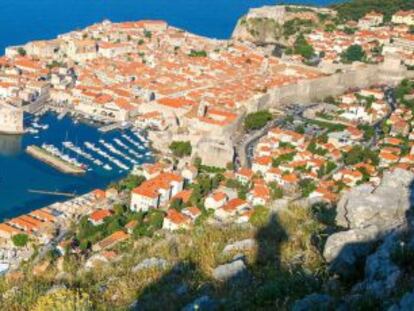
column 257, row 120
column 20, row 240
column 181, row 148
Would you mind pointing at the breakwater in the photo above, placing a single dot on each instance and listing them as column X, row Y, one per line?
column 53, row 161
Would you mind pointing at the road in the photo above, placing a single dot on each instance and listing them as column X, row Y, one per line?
column 245, row 145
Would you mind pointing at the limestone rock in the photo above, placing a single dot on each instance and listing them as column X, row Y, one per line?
column 151, row 263
column 406, row 303
column 240, row 246
column 349, row 244
column 314, row 302
column 182, row 289
column 204, row 303
column 385, row 206
column 370, row 214
column 230, row 270
column 381, row 274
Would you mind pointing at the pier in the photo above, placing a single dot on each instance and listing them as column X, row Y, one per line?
column 112, row 126
column 57, row 193
column 55, row 162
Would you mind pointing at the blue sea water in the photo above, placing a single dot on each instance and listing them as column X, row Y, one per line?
column 19, row 172
column 26, row 20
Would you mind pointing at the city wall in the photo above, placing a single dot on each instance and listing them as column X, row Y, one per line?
column 308, row 91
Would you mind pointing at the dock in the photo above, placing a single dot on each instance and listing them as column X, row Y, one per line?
column 112, row 126
column 57, row 193
column 55, row 162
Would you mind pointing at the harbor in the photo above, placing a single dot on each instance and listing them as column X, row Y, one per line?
column 70, row 156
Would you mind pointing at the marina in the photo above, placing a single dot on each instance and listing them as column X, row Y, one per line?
column 104, row 157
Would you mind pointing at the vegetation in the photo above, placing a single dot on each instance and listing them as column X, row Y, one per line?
column 200, row 53
column 20, row 240
column 303, row 48
column 64, row 300
column 257, row 120
column 353, row 53
column 283, row 158
column 180, row 148
column 307, row 186
column 406, row 87
column 275, row 191
column 148, row 34
column 21, row 51
column 293, row 26
column 128, row 183
column 260, row 216
column 368, row 130
column 312, row 147
column 331, row 127
column 355, row 9
column 360, row 154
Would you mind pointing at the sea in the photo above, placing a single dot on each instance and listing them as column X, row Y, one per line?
column 27, row 20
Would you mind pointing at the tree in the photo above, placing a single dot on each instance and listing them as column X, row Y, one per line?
column 20, row 240
column 353, row 53
column 303, row 48
column 147, row 34
column 195, row 53
column 257, row 120
column 128, row 183
column 369, row 131
column 360, row 154
column 276, row 191
column 355, row 9
column 21, row 51
column 181, row 148
column 307, row 186
column 177, row 204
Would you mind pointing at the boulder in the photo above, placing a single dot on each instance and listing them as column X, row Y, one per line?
column 240, row 246
column 232, row 270
column 350, row 244
column 385, row 206
column 151, row 263
column 371, row 214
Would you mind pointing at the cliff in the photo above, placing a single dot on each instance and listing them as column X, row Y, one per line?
column 277, row 24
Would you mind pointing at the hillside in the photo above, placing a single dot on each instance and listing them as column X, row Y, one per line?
column 355, row 9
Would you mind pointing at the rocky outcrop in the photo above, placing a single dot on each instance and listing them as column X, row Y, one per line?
column 381, row 273
column 264, row 25
column 344, row 249
column 230, row 271
column 240, row 246
column 314, row 302
column 370, row 214
column 385, row 206
column 405, row 304
column 151, row 263
column 202, row 303
column 261, row 25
